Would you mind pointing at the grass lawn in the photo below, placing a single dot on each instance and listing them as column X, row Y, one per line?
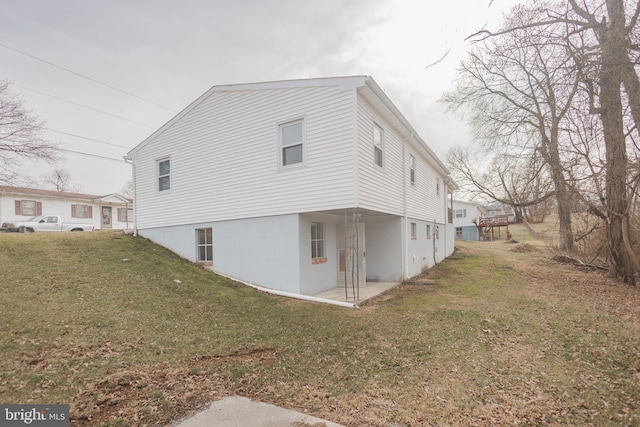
column 130, row 335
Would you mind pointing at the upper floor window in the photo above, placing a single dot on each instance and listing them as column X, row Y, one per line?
column 291, row 137
column 378, row 144
column 164, row 174
column 412, row 170
column 460, row 213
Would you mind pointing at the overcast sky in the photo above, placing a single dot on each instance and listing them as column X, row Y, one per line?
column 167, row 53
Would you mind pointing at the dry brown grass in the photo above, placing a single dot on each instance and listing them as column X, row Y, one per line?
column 502, row 337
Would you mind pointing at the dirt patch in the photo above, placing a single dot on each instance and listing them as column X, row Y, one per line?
column 522, row 248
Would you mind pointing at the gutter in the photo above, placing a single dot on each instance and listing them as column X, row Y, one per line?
column 291, row 294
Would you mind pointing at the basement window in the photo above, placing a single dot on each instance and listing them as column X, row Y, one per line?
column 317, row 243
column 204, row 245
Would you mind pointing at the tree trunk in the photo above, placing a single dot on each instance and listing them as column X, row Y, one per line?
column 622, row 261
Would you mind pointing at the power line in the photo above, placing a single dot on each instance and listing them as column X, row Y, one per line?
column 87, row 138
column 92, row 155
column 83, row 106
column 86, row 77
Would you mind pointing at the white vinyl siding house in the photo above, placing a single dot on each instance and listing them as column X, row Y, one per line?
column 112, row 211
column 321, row 159
column 464, row 215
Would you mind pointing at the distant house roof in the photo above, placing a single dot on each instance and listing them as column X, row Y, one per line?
column 114, row 197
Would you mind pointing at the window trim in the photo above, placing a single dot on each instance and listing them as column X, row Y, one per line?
column 414, row 231
column 159, row 176
column 429, row 231
column 76, row 214
column 378, row 147
column 125, row 214
column 207, row 245
column 302, row 143
column 318, row 252
column 20, row 211
column 412, row 170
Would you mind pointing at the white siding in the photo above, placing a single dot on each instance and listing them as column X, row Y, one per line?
column 224, row 158
column 380, row 189
column 59, row 206
column 388, row 189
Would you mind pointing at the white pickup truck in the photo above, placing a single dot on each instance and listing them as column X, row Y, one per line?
column 46, row 223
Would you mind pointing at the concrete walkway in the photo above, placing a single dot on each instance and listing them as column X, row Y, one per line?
column 242, row 412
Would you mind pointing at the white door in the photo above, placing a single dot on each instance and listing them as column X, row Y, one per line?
column 352, row 269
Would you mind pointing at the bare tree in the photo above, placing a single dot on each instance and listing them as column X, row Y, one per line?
column 19, row 136
column 601, row 38
column 60, row 179
column 616, row 83
column 517, row 88
column 516, row 181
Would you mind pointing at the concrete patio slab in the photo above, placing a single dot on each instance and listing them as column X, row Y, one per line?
column 238, row 411
column 366, row 292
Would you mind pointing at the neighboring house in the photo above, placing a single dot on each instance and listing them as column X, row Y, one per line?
column 112, row 211
column 298, row 186
column 500, row 210
column 465, row 219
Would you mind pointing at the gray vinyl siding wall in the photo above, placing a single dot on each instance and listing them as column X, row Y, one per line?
column 224, row 157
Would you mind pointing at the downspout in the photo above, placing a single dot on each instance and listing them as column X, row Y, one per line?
column 133, row 180
column 405, row 240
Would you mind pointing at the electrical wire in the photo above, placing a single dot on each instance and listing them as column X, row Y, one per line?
column 84, row 106
column 87, row 138
column 91, row 155
column 85, row 77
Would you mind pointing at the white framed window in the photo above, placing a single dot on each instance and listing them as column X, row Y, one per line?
column 81, row 211
column 28, row 208
column 460, row 213
column 414, row 231
column 458, row 232
column 428, row 231
column 412, row 170
column 378, row 144
column 163, row 169
column 291, row 136
column 317, row 242
column 204, row 244
column 125, row 214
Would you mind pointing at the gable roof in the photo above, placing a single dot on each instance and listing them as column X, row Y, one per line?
column 26, row 191
column 365, row 85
